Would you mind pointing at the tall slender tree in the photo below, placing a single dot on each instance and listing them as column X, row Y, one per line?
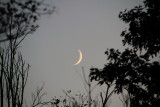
column 17, row 20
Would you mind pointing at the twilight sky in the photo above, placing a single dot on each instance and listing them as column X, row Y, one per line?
column 89, row 25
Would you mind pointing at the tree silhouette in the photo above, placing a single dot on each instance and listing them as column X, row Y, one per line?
column 105, row 96
column 17, row 20
column 134, row 69
column 38, row 98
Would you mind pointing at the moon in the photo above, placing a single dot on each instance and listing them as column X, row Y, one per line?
column 80, row 57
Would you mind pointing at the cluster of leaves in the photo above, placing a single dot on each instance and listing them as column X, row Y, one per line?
column 143, row 32
column 18, row 17
column 130, row 70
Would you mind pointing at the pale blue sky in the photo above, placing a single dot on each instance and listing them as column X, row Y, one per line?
column 89, row 25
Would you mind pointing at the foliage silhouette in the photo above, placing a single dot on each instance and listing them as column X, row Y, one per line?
column 143, row 32
column 134, row 69
column 17, row 20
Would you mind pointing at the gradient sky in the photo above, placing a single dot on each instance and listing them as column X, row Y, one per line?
column 89, row 25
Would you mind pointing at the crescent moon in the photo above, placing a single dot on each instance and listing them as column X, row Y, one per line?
column 80, row 57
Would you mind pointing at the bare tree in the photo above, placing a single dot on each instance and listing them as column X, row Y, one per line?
column 88, row 87
column 14, row 74
column 37, row 98
column 76, row 100
column 17, row 20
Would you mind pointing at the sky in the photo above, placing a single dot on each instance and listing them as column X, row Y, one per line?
column 89, row 25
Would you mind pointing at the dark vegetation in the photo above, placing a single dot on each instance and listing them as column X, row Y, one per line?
column 132, row 73
column 135, row 69
column 17, row 20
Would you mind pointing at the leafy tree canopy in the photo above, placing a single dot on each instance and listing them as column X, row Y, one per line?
column 129, row 70
column 143, row 32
